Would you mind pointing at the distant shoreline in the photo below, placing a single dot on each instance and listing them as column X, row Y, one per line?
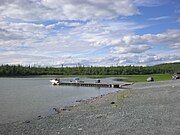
column 126, row 78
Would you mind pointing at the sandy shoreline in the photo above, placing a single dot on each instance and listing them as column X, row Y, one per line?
column 145, row 108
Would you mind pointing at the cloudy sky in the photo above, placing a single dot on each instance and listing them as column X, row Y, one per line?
column 89, row 32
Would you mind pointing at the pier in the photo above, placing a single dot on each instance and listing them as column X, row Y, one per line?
column 106, row 85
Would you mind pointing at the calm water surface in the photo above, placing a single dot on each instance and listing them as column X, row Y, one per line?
column 26, row 98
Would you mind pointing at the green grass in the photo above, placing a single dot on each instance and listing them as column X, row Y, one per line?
column 128, row 78
column 134, row 78
column 142, row 78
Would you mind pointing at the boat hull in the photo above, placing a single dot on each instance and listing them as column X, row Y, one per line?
column 55, row 82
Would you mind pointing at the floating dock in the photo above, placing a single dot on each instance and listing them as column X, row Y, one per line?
column 106, row 85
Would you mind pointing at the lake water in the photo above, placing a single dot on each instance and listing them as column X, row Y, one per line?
column 26, row 98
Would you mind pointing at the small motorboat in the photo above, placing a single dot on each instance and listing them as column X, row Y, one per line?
column 55, row 81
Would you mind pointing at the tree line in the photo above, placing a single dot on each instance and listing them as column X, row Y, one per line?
column 19, row 70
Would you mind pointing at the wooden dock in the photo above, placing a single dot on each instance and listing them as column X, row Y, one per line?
column 106, row 85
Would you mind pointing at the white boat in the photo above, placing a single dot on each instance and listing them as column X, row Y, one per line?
column 55, row 81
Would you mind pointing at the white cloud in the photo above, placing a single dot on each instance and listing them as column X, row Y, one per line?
column 63, row 23
column 29, row 43
column 55, row 32
column 66, row 9
column 12, row 31
column 131, row 49
column 176, row 45
column 169, row 38
column 159, row 58
column 159, row 18
column 149, row 3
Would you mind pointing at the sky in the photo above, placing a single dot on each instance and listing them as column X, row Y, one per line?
column 89, row 32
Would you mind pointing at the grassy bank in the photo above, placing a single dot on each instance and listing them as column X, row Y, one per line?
column 131, row 78
column 127, row 78
column 142, row 78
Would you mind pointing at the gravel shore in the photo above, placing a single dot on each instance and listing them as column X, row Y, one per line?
column 144, row 108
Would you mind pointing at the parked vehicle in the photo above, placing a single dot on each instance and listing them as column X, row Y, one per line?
column 150, row 79
column 98, row 81
column 176, row 76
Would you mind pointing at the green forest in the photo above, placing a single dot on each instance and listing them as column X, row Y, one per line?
column 18, row 70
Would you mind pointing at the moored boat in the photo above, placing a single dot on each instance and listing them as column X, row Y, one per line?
column 55, row 81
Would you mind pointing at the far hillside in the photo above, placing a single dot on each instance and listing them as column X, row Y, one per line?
column 18, row 70
column 174, row 67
